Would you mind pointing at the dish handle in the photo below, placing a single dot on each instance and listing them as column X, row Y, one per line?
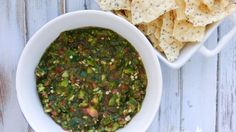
column 222, row 43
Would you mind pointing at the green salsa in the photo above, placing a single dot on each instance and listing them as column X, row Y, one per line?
column 91, row 80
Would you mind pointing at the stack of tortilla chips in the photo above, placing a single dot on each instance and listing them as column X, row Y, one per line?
column 171, row 24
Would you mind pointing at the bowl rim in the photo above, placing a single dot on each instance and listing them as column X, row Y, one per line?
column 28, row 47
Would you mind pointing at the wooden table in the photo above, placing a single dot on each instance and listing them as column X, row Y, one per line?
column 199, row 97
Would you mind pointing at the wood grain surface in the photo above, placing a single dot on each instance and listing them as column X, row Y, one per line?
column 200, row 97
column 226, row 95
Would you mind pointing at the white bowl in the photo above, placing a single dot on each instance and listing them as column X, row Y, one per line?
column 25, row 78
column 191, row 49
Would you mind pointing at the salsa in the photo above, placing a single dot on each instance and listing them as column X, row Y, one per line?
column 91, row 80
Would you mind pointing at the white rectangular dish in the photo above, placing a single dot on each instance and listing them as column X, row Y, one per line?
column 190, row 49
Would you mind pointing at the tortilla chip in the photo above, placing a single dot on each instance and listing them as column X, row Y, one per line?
column 152, row 26
column 209, row 3
column 120, row 13
column 155, row 38
column 225, row 3
column 231, row 8
column 152, row 31
column 124, row 14
column 180, row 11
column 186, row 32
column 145, row 11
column 168, row 43
column 114, row 4
column 157, row 33
column 128, row 15
column 199, row 15
column 155, row 42
column 142, row 28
